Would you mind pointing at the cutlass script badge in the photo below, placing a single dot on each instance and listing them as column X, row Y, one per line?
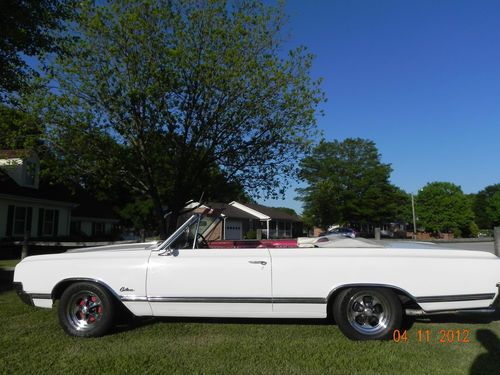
column 125, row 289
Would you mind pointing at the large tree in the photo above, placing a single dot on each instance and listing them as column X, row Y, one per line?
column 27, row 29
column 443, row 207
column 165, row 96
column 486, row 206
column 19, row 130
column 348, row 184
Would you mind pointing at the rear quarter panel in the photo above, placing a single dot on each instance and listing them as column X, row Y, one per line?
column 316, row 272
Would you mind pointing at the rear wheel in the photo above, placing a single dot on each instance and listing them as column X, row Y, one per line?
column 86, row 310
column 367, row 313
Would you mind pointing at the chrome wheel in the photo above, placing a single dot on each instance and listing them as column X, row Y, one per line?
column 84, row 310
column 368, row 312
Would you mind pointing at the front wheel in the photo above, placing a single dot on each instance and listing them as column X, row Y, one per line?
column 86, row 310
column 367, row 313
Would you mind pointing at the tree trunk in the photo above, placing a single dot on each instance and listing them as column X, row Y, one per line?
column 172, row 222
column 159, row 215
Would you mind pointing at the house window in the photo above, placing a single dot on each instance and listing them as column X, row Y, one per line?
column 48, row 222
column 20, row 219
column 76, row 227
column 99, row 228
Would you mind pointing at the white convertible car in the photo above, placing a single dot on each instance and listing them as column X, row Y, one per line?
column 366, row 287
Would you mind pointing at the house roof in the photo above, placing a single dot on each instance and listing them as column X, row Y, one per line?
column 230, row 211
column 273, row 213
column 13, row 154
column 252, row 211
column 52, row 193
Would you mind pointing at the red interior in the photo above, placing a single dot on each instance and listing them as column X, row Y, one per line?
column 252, row 244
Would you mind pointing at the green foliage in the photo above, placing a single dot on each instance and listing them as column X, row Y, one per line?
column 487, row 206
column 347, row 183
column 289, row 211
column 138, row 214
column 19, row 130
column 251, row 235
column 26, row 27
column 473, row 230
column 175, row 98
column 443, row 207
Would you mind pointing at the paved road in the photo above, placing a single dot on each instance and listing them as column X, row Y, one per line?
column 479, row 246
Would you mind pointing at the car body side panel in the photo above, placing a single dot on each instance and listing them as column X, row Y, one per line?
column 124, row 272
column 300, row 280
column 210, row 282
column 437, row 279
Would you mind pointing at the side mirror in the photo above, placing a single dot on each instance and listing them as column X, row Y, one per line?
column 169, row 252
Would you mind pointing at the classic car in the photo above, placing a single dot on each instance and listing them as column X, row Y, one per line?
column 366, row 287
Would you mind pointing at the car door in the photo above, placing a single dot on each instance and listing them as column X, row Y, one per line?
column 210, row 282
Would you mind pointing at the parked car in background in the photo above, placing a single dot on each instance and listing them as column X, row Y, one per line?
column 339, row 232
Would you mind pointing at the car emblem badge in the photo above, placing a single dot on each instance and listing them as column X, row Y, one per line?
column 125, row 289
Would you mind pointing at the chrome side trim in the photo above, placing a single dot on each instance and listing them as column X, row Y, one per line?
column 456, row 298
column 312, row 300
column 363, row 285
column 413, row 312
column 210, row 299
column 133, row 299
column 223, row 299
column 40, row 295
column 424, row 299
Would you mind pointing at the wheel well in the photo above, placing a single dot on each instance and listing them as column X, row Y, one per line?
column 123, row 311
column 406, row 299
column 64, row 284
column 60, row 288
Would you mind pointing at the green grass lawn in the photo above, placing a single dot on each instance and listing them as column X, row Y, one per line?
column 32, row 342
column 7, row 263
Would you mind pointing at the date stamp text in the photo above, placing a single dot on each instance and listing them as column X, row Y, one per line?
column 427, row 336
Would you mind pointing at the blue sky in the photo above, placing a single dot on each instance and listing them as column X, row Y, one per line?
column 420, row 78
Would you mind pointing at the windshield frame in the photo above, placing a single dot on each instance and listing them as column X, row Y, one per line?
column 196, row 219
column 165, row 244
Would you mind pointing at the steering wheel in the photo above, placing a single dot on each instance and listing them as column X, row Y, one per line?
column 203, row 243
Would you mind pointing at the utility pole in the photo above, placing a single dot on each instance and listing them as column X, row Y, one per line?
column 414, row 218
column 496, row 233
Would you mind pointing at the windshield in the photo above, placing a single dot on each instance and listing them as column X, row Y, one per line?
column 193, row 234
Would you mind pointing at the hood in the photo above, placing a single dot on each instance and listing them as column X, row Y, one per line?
column 119, row 247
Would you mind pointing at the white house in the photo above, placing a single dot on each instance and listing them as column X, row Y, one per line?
column 44, row 212
column 23, row 206
column 250, row 220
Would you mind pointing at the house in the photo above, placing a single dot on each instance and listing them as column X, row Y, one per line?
column 250, row 221
column 26, row 206
column 92, row 218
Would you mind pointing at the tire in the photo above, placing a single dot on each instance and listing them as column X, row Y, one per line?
column 86, row 310
column 367, row 313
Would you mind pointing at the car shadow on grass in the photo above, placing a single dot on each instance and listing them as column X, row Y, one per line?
column 132, row 323
column 487, row 363
column 461, row 317
column 128, row 323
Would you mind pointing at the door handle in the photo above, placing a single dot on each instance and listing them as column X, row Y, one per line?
column 261, row 262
